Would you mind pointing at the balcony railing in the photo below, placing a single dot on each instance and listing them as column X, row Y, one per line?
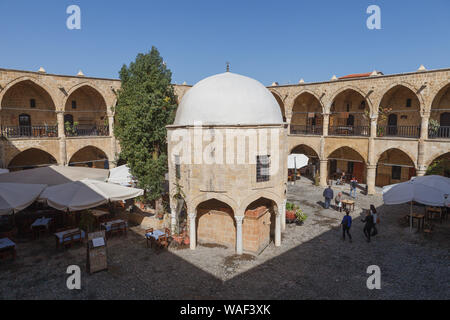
column 349, row 131
column 398, row 131
column 87, row 131
column 440, row 132
column 29, row 131
column 301, row 129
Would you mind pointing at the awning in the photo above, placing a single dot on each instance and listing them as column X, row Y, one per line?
column 17, row 196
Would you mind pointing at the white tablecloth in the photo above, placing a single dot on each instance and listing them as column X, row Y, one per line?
column 155, row 234
column 5, row 243
column 41, row 222
column 108, row 225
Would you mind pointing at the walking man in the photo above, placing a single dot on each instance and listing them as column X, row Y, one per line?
column 328, row 194
column 368, row 225
column 353, row 184
column 373, row 212
column 346, row 225
column 338, row 201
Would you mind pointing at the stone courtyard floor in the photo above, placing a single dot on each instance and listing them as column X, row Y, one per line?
column 312, row 263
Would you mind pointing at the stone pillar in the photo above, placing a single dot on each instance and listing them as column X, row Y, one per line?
column 283, row 214
column 373, row 127
column 239, row 244
column 113, row 141
column 173, row 219
column 326, row 122
column 424, row 126
column 421, row 167
column 192, row 231
column 111, row 125
column 323, row 173
column 371, row 178
column 278, row 230
column 62, row 139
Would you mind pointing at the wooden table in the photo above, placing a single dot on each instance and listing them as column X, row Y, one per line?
column 40, row 225
column 115, row 226
column 68, row 237
column 420, row 219
column 349, row 203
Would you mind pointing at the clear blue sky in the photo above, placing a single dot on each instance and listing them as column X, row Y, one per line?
column 268, row 40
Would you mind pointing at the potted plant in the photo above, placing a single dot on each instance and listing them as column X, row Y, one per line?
column 433, row 127
column 300, row 216
column 290, row 212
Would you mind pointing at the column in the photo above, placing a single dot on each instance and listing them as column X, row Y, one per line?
column 62, row 139
column 192, row 231
column 424, row 126
column 373, row 127
column 371, row 177
column 111, row 125
column 323, row 173
column 113, row 140
column 173, row 219
column 278, row 230
column 239, row 245
column 283, row 214
column 326, row 122
column 421, row 167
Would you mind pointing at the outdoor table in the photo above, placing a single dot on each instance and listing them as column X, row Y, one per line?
column 420, row 219
column 110, row 228
column 349, row 203
column 7, row 247
column 39, row 225
column 78, row 236
column 155, row 234
column 98, row 214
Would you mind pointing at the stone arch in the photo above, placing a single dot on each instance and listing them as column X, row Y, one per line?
column 280, row 103
column 440, row 112
column 257, row 195
column 90, row 85
column 85, row 156
column 434, row 93
column 29, row 158
column 352, row 88
column 399, row 148
column 45, row 87
column 406, row 85
column 394, row 165
column 306, row 114
column 436, row 156
column 296, row 95
column 192, row 204
column 354, row 149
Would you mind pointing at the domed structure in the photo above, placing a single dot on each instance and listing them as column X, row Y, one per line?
column 228, row 99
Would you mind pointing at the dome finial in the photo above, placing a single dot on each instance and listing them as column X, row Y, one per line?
column 228, row 66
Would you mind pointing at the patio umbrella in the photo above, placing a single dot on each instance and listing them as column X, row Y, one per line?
column 428, row 190
column 120, row 175
column 297, row 161
column 86, row 194
column 15, row 197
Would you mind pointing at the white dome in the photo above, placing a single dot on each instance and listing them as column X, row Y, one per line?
column 228, row 99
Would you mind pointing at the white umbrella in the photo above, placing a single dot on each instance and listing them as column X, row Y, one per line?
column 297, row 161
column 120, row 175
column 86, row 194
column 2, row 171
column 428, row 190
column 17, row 196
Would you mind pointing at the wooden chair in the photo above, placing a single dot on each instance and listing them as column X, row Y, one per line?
column 163, row 242
column 118, row 228
column 428, row 230
column 71, row 238
column 149, row 239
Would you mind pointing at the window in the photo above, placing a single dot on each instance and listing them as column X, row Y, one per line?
column 362, row 106
column 32, row 103
column 348, row 107
column 262, row 168
column 396, row 172
column 177, row 167
column 408, row 103
column 74, row 104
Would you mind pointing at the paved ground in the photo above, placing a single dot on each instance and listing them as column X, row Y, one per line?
column 313, row 263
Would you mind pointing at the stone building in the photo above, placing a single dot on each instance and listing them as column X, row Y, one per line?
column 227, row 153
column 56, row 119
column 343, row 124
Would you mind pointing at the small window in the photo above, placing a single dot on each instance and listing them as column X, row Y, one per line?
column 348, row 107
column 32, row 103
column 74, row 104
column 408, row 103
column 362, row 106
column 396, row 172
column 262, row 168
column 177, row 167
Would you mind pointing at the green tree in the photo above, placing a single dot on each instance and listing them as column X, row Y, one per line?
column 146, row 104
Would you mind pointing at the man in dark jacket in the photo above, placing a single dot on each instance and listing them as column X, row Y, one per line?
column 328, row 194
column 368, row 226
column 346, row 225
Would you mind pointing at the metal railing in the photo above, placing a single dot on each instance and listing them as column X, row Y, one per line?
column 87, row 131
column 398, row 131
column 440, row 132
column 29, row 131
column 302, row 129
column 349, row 131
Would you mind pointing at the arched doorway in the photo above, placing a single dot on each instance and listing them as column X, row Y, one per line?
column 439, row 125
column 311, row 170
column 349, row 161
column 215, row 223
column 281, row 104
column 394, row 166
column 399, row 113
column 440, row 166
column 307, row 115
column 91, row 157
column 349, row 115
column 258, row 229
column 31, row 158
column 28, row 110
column 88, row 112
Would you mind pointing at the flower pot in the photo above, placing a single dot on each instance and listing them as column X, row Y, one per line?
column 187, row 241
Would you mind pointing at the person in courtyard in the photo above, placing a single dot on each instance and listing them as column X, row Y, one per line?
column 374, row 214
column 368, row 220
column 346, row 225
column 338, row 201
column 353, row 185
column 328, row 195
